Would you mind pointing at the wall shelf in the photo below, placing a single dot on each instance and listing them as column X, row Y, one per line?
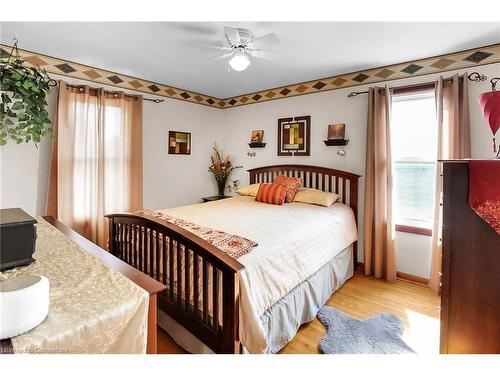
column 336, row 142
column 257, row 145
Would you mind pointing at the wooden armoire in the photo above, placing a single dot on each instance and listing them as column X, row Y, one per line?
column 470, row 290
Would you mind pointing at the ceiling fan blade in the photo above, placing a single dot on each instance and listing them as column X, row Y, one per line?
column 219, row 48
column 268, row 38
column 220, row 56
column 265, row 55
column 232, row 35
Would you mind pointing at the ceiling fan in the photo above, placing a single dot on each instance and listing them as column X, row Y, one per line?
column 241, row 45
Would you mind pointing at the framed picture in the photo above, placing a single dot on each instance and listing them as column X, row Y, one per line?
column 179, row 143
column 336, row 131
column 294, row 135
column 257, row 136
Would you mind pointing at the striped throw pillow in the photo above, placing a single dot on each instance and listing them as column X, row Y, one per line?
column 292, row 184
column 271, row 193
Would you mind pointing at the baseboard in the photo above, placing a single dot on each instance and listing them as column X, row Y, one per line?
column 412, row 278
column 403, row 276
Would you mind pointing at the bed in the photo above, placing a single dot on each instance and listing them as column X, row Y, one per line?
column 216, row 303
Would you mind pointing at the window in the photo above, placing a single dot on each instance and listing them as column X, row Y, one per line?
column 414, row 150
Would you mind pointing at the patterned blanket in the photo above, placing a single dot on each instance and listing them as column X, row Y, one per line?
column 231, row 244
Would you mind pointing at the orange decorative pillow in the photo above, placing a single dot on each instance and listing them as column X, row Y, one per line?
column 292, row 184
column 271, row 193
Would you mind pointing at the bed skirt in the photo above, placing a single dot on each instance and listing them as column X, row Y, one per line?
column 282, row 320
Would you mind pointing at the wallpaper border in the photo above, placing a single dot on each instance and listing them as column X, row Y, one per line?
column 457, row 60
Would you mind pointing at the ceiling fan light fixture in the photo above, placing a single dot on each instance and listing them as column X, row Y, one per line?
column 239, row 62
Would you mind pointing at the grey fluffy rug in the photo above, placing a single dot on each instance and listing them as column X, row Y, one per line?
column 379, row 334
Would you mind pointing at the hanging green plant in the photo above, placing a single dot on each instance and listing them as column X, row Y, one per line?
column 24, row 117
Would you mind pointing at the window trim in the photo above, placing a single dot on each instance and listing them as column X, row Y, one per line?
column 414, row 230
column 414, row 89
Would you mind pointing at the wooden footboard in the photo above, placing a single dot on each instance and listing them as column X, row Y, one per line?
column 202, row 281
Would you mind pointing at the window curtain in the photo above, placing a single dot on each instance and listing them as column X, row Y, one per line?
column 452, row 107
column 379, row 249
column 96, row 162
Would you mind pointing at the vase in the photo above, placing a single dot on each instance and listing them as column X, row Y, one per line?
column 221, row 187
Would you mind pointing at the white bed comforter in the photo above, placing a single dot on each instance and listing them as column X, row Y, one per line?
column 295, row 240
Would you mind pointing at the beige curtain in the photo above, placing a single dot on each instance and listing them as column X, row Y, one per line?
column 379, row 253
column 96, row 165
column 452, row 107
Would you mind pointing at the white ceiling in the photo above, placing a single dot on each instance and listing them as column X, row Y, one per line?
column 171, row 52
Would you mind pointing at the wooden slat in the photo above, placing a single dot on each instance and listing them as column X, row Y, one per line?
column 317, row 181
column 205, row 291
column 158, row 250
column 127, row 243
column 215, row 298
column 195, row 284
column 310, row 180
column 171, row 268
column 150, row 252
column 146, row 249
column 164, row 255
column 179, row 273
column 137, row 246
column 141, row 248
column 187, row 274
column 118, row 244
column 133, row 245
column 323, row 187
column 344, row 195
column 122, row 242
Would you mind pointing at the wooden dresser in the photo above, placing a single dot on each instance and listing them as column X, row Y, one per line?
column 470, row 291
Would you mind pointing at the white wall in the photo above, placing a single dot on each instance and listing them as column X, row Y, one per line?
column 334, row 106
column 24, row 171
column 174, row 180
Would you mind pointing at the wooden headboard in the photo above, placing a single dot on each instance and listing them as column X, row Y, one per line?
column 331, row 180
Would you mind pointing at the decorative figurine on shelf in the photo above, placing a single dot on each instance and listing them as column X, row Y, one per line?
column 256, row 139
column 221, row 167
column 336, row 136
column 257, row 136
column 336, row 131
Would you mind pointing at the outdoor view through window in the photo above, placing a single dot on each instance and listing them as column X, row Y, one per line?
column 414, row 147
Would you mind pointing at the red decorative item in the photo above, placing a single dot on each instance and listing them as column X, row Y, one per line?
column 490, row 106
column 484, row 191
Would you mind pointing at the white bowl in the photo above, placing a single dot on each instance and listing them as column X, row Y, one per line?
column 24, row 304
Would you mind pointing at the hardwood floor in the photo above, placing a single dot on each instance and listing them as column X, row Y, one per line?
column 361, row 297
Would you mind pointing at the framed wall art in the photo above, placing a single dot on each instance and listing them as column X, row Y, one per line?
column 179, row 143
column 294, row 135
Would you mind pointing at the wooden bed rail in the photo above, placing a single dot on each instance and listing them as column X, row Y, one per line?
column 202, row 281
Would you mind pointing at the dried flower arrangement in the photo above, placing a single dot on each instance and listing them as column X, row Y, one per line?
column 221, row 167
